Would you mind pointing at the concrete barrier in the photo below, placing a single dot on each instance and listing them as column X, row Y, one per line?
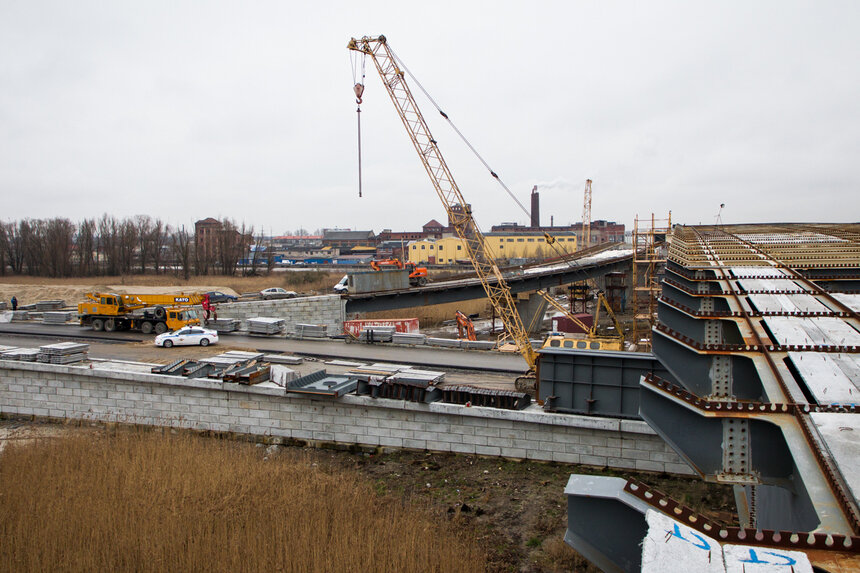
column 81, row 393
column 325, row 309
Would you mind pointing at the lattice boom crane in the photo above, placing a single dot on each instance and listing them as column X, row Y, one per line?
column 459, row 213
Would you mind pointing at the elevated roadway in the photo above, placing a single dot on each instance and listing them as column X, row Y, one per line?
column 591, row 265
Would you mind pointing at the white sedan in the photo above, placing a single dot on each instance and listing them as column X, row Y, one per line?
column 187, row 336
column 277, row 292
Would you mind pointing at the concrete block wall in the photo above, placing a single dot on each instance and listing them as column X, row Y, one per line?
column 325, row 309
column 75, row 392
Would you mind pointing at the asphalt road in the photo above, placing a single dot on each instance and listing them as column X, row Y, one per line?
column 115, row 346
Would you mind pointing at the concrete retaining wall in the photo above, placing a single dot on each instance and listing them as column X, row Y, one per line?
column 326, row 309
column 76, row 392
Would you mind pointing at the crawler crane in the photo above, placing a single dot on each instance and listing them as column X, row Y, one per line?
column 458, row 210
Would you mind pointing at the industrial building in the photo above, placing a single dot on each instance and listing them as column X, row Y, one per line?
column 503, row 245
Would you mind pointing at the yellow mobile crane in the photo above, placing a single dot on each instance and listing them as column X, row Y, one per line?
column 459, row 213
column 144, row 312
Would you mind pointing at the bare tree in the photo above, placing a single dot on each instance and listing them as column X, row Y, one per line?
column 127, row 244
column 58, row 237
column 159, row 239
column 108, row 244
column 85, row 243
column 14, row 245
column 143, row 229
column 180, row 244
column 33, row 238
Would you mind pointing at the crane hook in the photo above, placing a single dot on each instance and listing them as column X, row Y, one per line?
column 359, row 91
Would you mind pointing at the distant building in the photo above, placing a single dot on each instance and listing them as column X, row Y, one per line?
column 530, row 244
column 391, row 249
column 206, row 233
column 347, row 238
column 212, row 240
column 520, row 245
column 288, row 241
column 445, row 251
column 433, row 229
column 601, row 231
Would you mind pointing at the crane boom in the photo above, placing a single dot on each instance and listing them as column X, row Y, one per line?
column 459, row 212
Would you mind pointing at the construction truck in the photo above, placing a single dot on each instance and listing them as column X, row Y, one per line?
column 417, row 275
column 146, row 313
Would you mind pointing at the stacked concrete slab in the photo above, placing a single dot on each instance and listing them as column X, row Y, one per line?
column 266, row 325
column 63, row 353
column 377, row 334
column 224, row 324
column 23, row 354
column 311, row 330
column 413, row 338
column 58, row 316
column 445, row 342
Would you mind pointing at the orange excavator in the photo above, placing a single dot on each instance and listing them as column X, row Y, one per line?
column 417, row 275
column 465, row 326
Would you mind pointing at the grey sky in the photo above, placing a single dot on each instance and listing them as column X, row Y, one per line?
column 184, row 110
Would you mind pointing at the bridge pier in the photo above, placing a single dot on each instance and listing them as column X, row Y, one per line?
column 531, row 308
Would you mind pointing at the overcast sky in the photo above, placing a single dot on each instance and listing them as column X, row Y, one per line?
column 184, row 110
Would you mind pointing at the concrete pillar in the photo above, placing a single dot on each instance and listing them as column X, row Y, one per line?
column 532, row 308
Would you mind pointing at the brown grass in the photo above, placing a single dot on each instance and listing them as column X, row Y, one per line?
column 146, row 501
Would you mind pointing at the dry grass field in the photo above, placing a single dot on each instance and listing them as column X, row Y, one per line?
column 139, row 500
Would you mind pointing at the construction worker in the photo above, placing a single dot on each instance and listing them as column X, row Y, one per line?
column 207, row 307
column 14, row 303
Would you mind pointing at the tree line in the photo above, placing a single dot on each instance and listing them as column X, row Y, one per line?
column 110, row 246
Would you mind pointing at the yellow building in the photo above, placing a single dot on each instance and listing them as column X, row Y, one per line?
column 437, row 251
column 530, row 245
column 522, row 245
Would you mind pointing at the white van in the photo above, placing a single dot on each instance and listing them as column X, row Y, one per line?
column 343, row 285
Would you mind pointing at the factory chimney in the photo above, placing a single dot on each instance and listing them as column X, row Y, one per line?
column 535, row 208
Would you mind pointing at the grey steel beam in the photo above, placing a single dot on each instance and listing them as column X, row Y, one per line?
column 595, row 382
column 605, row 524
column 756, row 444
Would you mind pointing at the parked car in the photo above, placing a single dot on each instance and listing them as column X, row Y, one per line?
column 217, row 297
column 277, row 292
column 343, row 285
column 187, row 336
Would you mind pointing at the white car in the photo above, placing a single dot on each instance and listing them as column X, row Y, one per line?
column 187, row 336
column 277, row 292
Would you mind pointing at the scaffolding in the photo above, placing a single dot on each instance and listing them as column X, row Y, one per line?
column 650, row 248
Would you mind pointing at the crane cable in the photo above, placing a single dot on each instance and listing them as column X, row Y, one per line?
column 358, row 88
column 549, row 239
column 457, row 131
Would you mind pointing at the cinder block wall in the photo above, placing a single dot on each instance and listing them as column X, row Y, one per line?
column 74, row 392
column 325, row 309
